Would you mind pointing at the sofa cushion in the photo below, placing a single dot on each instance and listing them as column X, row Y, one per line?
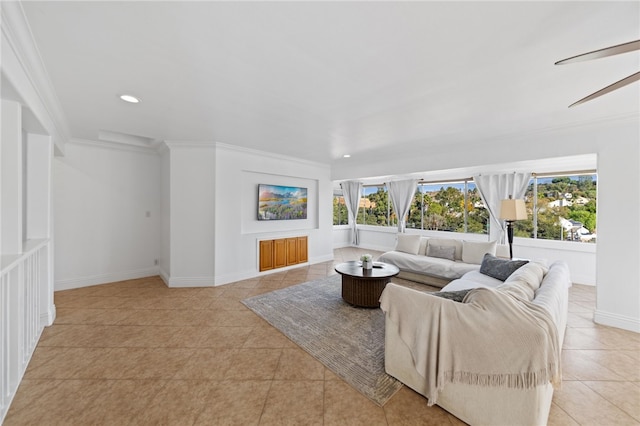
column 499, row 268
column 446, row 242
column 422, row 250
column 473, row 251
column 443, row 252
column 524, row 282
column 408, row 243
column 456, row 296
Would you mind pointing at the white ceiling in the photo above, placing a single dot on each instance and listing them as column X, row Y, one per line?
column 317, row 80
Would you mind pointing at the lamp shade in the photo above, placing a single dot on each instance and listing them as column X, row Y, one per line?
column 511, row 209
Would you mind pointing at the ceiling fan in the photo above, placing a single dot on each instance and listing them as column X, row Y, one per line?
column 602, row 53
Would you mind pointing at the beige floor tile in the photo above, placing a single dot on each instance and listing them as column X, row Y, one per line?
column 558, row 417
column 234, row 403
column 622, row 363
column 207, row 364
column 66, row 363
column 224, row 337
column 265, row 336
column 587, row 407
column 407, row 407
column 253, row 364
column 624, row 395
column 231, row 318
column 578, row 365
column 344, row 405
column 66, row 403
column 294, row 403
column 296, row 364
column 178, row 403
column 123, row 401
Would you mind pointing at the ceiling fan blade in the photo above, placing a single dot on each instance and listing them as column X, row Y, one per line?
column 603, row 53
column 610, row 88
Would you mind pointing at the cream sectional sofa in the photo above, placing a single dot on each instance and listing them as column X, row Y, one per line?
column 409, row 313
column 437, row 261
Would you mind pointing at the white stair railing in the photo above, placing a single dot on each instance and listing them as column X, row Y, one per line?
column 23, row 285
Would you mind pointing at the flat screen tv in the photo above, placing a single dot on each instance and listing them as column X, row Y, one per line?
column 277, row 202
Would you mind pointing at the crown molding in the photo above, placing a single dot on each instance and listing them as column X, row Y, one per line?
column 114, row 146
column 234, row 148
column 36, row 91
column 189, row 144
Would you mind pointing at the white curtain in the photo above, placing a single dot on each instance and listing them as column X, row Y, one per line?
column 495, row 188
column 402, row 193
column 351, row 191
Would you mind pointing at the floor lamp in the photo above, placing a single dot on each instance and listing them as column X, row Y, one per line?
column 512, row 210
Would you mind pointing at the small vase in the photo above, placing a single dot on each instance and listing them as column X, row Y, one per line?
column 367, row 264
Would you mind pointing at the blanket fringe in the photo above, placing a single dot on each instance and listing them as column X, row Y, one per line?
column 525, row 380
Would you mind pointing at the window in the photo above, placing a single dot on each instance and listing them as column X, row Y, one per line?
column 564, row 206
column 560, row 207
column 340, row 212
column 375, row 207
column 449, row 206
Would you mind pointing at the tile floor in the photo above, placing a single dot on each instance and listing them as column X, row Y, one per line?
column 137, row 352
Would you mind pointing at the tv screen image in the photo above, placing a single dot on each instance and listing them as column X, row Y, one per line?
column 277, row 202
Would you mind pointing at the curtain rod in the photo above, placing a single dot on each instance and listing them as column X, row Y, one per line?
column 533, row 174
column 568, row 173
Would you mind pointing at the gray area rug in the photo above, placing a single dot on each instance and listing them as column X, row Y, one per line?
column 347, row 340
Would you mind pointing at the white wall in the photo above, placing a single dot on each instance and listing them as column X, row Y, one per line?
column 616, row 145
column 102, row 197
column 192, row 240
column 164, row 263
column 238, row 173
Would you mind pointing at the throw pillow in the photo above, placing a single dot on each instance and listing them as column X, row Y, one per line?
column 498, row 268
column 473, row 251
column 447, row 242
column 443, row 252
column 456, row 296
column 408, row 243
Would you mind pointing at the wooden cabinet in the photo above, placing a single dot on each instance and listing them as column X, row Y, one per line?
column 279, row 253
column 302, row 249
column 282, row 252
column 266, row 255
column 292, row 251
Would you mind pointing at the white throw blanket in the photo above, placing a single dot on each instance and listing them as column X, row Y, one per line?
column 491, row 339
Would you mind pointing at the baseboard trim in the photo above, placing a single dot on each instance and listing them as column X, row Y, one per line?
column 618, row 321
column 47, row 318
column 176, row 282
column 72, row 283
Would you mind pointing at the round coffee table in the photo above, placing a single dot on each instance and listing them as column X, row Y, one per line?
column 363, row 287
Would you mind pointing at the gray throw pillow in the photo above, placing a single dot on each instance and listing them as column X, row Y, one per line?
column 456, row 296
column 499, row 268
column 443, row 252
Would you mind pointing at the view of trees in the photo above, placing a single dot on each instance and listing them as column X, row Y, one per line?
column 565, row 200
column 568, row 197
column 340, row 212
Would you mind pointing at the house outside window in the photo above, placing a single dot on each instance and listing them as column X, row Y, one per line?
column 561, row 207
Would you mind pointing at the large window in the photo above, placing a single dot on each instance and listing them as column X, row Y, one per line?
column 449, row 206
column 560, row 207
column 375, row 207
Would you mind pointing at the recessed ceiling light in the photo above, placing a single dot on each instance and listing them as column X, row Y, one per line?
column 130, row 99
column 346, row 156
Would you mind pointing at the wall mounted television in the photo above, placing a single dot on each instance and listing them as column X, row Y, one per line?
column 277, row 202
